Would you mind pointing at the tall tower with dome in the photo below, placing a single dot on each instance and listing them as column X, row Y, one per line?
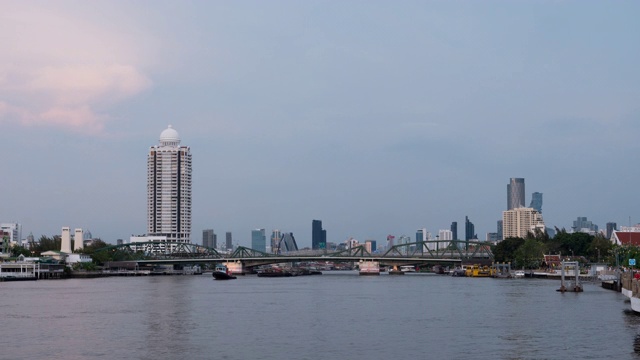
column 169, row 188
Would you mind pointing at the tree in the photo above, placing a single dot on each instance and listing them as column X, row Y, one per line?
column 506, row 249
column 529, row 255
column 599, row 248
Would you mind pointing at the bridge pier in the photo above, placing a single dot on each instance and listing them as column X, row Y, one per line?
column 396, row 271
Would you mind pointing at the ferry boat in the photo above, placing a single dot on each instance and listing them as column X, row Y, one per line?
column 222, row 273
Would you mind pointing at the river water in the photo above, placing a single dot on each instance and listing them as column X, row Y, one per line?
column 338, row 315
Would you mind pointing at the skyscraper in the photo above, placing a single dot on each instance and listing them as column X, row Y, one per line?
column 536, row 202
column 275, row 240
column 454, row 230
column 228, row 242
column 169, row 188
column 208, row 238
column 515, row 193
column 259, row 240
column 469, row 229
column 318, row 235
column 611, row 227
column 520, row 222
column 288, row 243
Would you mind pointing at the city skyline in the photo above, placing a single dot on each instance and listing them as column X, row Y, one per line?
column 378, row 118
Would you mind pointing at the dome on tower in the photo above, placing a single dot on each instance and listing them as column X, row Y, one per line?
column 169, row 137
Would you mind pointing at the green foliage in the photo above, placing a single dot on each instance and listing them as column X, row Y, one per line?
column 530, row 254
column 20, row 250
column 506, row 249
column 46, row 244
column 86, row 266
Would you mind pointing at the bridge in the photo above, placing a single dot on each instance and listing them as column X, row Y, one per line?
column 415, row 253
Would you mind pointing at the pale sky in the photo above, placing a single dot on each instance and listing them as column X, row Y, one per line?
column 376, row 117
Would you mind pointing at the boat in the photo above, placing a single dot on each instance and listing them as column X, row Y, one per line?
column 518, row 274
column 222, row 273
column 274, row 272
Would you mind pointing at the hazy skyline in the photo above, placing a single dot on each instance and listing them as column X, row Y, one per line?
column 375, row 117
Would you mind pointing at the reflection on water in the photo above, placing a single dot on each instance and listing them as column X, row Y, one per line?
column 336, row 315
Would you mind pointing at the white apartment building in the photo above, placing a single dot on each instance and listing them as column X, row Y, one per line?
column 14, row 230
column 519, row 222
column 169, row 189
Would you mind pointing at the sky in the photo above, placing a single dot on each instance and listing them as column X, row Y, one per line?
column 376, row 117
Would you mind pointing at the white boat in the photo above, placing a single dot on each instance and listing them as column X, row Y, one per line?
column 518, row 274
column 408, row 268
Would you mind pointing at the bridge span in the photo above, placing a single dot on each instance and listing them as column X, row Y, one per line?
column 416, row 253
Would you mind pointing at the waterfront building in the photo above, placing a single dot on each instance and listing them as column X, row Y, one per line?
column 169, row 188
column 318, row 235
column 515, row 193
column 13, row 230
column 208, row 239
column 454, row 230
column 259, row 240
column 581, row 224
column 611, row 227
column 228, row 241
column 4, row 236
column 536, row 202
column 521, row 221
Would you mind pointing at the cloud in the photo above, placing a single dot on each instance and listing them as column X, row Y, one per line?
column 63, row 64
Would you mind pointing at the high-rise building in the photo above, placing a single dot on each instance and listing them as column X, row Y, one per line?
column 520, row 222
column 611, row 227
column 469, row 229
column 288, row 243
column 536, row 202
column 318, row 235
column 499, row 230
column 444, row 235
column 169, row 188
column 275, row 240
column 454, row 230
column 515, row 193
column 259, row 240
column 208, row 238
column 370, row 245
column 14, row 230
column 228, row 241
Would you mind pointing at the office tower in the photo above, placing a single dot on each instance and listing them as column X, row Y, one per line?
column 469, row 229
column 318, row 235
column 611, row 227
column 207, row 238
column 499, row 230
column 259, row 240
column 421, row 235
column 454, row 230
column 288, row 243
column 169, row 188
column 78, row 240
column 536, row 202
column 520, row 222
column 515, row 193
column 228, row 242
column 275, row 240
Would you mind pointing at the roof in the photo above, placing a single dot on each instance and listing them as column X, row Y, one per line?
column 627, row 238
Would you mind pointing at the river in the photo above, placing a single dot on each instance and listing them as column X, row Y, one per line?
column 338, row 315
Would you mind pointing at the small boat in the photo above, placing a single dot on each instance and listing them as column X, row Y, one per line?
column 518, row 274
column 222, row 273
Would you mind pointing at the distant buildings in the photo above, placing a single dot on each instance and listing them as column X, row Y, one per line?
column 275, row 240
column 259, row 240
column 288, row 243
column 370, row 246
column 454, row 230
column 169, row 188
column 13, row 231
column 209, row 239
column 536, row 202
column 228, row 242
column 499, row 230
column 611, row 227
column 515, row 193
column 469, row 230
column 318, row 235
column 581, row 224
column 519, row 222
column 444, row 235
